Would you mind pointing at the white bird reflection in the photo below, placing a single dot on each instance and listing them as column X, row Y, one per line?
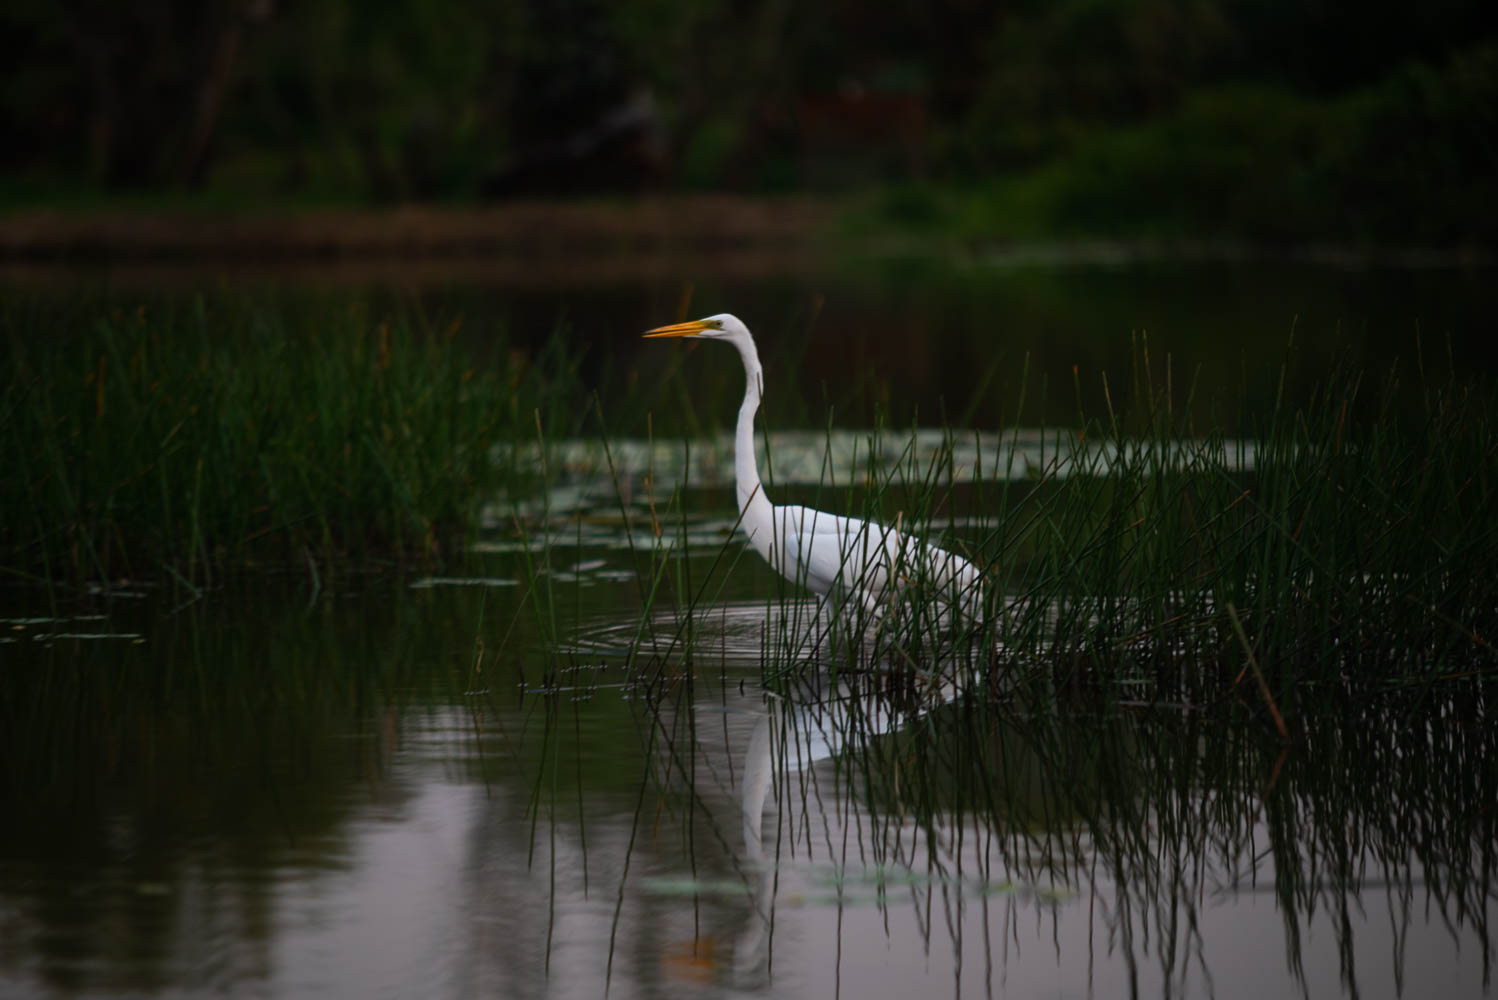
column 750, row 951
column 788, row 737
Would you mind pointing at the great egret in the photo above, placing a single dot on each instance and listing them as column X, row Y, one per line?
column 820, row 551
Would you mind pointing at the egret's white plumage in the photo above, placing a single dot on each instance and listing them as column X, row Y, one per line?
column 820, row 551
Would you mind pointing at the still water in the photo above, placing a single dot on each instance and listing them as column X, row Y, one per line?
column 513, row 782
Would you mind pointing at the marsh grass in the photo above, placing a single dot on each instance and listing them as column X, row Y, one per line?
column 1351, row 553
column 1343, row 543
column 193, row 441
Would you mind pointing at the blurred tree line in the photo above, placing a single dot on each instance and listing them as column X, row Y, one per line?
column 1276, row 117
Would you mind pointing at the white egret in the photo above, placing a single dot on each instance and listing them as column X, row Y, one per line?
column 820, row 551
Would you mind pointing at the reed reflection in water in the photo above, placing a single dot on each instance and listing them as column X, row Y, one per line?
column 346, row 802
column 921, row 833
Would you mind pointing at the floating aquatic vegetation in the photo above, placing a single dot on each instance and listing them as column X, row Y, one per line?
column 88, row 636
column 428, row 582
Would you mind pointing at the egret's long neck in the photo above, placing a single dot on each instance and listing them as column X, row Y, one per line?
column 745, row 469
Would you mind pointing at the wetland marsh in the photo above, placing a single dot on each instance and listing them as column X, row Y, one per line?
column 383, row 639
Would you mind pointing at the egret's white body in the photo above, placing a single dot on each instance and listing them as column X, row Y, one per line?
column 824, row 552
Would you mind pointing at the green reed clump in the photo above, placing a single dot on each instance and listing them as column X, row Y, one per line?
column 1347, row 540
column 229, row 435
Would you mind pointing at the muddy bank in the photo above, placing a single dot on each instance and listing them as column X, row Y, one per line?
column 652, row 226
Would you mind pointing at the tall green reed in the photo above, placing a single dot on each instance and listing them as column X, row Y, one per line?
column 1340, row 543
column 230, row 434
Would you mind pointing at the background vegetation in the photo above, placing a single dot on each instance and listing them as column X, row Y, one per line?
column 1222, row 118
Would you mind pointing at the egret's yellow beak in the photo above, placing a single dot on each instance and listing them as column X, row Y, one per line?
column 689, row 329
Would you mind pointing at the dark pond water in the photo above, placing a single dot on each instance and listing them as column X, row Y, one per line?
column 510, row 782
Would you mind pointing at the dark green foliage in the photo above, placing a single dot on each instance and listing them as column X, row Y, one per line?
column 1164, row 117
column 1410, row 158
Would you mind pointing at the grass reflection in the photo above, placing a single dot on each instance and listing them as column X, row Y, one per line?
column 656, row 822
column 957, row 816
